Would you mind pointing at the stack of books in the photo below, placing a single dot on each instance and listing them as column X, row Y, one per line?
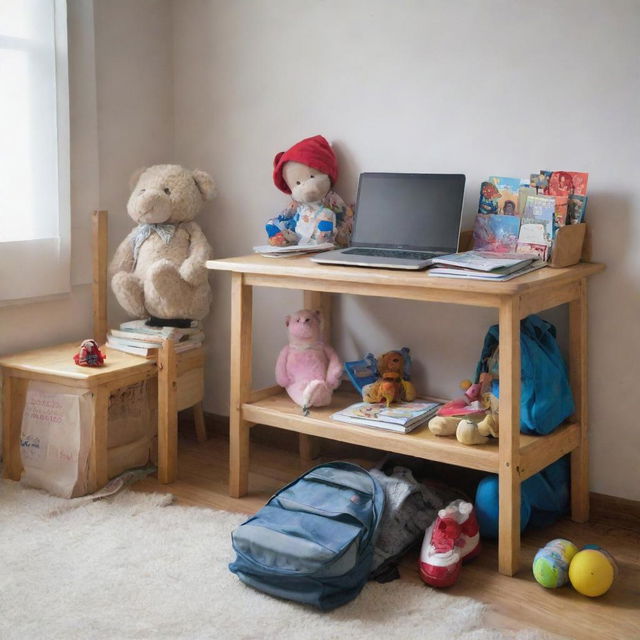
column 138, row 338
column 401, row 417
column 485, row 265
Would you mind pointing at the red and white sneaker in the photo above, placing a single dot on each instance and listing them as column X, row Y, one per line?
column 452, row 538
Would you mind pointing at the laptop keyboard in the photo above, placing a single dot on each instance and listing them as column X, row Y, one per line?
column 391, row 253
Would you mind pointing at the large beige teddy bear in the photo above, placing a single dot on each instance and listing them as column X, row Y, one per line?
column 159, row 268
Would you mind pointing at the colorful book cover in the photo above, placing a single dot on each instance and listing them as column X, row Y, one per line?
column 523, row 193
column 576, row 208
column 541, row 251
column 496, row 233
column 566, row 183
column 401, row 413
column 508, row 198
column 561, row 208
column 489, row 196
column 537, row 223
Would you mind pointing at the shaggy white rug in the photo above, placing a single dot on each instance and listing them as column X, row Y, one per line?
column 135, row 566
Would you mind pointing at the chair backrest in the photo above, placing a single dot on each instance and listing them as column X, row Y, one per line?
column 99, row 246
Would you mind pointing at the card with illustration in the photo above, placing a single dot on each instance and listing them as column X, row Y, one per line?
column 508, row 198
column 496, row 233
column 489, row 196
column 576, row 208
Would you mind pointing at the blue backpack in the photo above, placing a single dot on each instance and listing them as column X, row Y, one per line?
column 545, row 397
column 313, row 541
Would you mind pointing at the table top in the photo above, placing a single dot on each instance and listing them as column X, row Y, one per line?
column 58, row 361
column 301, row 267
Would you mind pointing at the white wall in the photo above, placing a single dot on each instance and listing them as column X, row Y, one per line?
column 482, row 88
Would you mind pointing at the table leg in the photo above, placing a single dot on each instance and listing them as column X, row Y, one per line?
column 241, row 378
column 14, row 391
column 198, row 419
column 509, row 441
column 167, row 413
column 578, row 376
column 98, row 453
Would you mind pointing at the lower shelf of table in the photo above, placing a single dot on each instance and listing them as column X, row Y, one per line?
column 536, row 452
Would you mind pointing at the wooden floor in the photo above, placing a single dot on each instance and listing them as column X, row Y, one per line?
column 515, row 602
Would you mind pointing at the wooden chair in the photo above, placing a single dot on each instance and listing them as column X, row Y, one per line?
column 180, row 379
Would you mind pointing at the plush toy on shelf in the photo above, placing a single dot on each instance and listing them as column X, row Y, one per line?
column 308, row 368
column 391, row 386
column 159, row 268
column 316, row 215
column 89, row 354
column 472, row 418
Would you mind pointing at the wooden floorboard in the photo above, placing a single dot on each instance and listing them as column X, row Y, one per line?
column 515, row 602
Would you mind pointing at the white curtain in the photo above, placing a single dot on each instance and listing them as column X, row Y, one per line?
column 34, row 149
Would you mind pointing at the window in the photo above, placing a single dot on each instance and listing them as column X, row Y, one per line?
column 34, row 149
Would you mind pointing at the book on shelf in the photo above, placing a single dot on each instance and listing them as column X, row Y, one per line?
column 400, row 417
column 537, row 225
column 138, row 338
column 493, row 276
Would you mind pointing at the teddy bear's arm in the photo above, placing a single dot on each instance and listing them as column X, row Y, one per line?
column 282, row 377
column 334, row 368
column 123, row 257
column 193, row 269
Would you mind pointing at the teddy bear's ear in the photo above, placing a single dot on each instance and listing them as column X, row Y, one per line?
column 135, row 176
column 205, row 184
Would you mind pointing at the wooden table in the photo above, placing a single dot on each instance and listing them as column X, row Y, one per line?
column 514, row 458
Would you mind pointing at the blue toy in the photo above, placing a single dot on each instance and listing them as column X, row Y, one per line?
column 544, row 498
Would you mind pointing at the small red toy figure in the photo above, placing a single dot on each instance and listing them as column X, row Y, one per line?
column 89, row 354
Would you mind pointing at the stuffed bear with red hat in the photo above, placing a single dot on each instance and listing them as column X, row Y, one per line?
column 316, row 214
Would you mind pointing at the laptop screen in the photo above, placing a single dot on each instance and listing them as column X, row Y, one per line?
column 409, row 211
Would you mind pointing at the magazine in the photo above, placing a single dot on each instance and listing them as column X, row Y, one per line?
column 495, row 233
column 491, row 276
column 537, row 221
column 401, row 417
column 292, row 249
column 484, row 260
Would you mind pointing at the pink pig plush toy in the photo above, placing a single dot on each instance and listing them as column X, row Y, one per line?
column 308, row 368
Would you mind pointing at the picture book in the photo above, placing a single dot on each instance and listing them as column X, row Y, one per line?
column 565, row 183
column 560, row 212
column 292, row 249
column 362, row 372
column 523, row 193
column 537, row 222
column 508, row 198
column 401, row 417
column 576, row 208
column 541, row 251
column 489, row 196
column 483, row 261
column 496, row 233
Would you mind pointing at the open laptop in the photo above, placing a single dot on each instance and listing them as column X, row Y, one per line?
column 402, row 221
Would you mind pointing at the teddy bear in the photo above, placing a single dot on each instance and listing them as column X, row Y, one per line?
column 391, row 385
column 308, row 368
column 159, row 268
column 316, row 214
column 472, row 418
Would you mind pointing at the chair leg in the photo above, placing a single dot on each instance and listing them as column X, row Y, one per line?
column 198, row 418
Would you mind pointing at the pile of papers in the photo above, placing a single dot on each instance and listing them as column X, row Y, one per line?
column 138, row 338
column 401, row 416
column 485, row 265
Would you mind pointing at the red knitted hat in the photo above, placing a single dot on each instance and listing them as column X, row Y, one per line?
column 314, row 152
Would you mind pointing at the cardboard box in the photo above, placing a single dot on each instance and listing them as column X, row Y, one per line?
column 571, row 245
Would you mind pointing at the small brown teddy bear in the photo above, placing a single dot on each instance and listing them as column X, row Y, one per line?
column 159, row 268
column 390, row 386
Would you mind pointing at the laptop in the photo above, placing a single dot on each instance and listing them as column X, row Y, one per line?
column 402, row 221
